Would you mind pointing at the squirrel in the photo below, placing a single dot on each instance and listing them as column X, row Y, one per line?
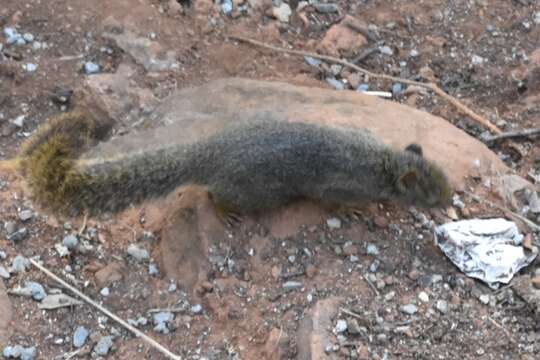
column 247, row 167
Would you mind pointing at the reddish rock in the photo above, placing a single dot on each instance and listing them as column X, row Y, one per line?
column 341, row 38
column 109, row 274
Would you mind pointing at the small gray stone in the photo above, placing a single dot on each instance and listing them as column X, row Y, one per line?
column 10, row 227
column 397, row 88
column 336, row 84
column 153, row 269
column 292, row 285
column 12, row 352
column 372, row 249
column 484, row 299
column 409, row 309
column 282, row 12
column 333, row 223
column 226, row 6
column 442, row 306
column 386, row 50
column 37, row 290
column 161, row 321
column 335, row 69
column 30, row 67
column 477, row 60
column 104, row 345
column 352, row 327
column 91, row 68
column 423, row 296
column 312, row 61
column 70, row 241
column 25, row 215
column 28, row 37
column 3, row 255
column 18, row 235
column 326, row 8
column 105, row 292
column 138, row 253
column 172, row 287
column 362, row 88
column 4, row 273
column 79, row 336
column 341, row 326
column 196, row 309
column 19, row 264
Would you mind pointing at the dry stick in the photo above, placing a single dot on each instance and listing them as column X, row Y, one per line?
column 514, row 134
column 134, row 330
column 432, row 86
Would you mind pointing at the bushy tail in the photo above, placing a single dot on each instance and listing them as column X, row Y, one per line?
column 65, row 183
column 48, row 158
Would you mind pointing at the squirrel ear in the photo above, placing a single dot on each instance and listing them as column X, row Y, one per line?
column 415, row 148
column 408, row 179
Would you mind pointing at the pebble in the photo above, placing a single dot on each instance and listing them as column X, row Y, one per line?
column 292, row 285
column 30, row 67
column 70, row 241
column 18, row 235
column 484, row 299
column 153, row 269
column 19, row 264
column 37, row 290
column 104, row 345
column 4, row 273
column 414, row 53
column 105, row 292
column 137, row 252
column 28, row 37
column 341, row 326
column 442, row 306
column 397, row 88
column 2, row 255
column 537, row 18
column 535, row 281
column 353, row 327
column 386, row 50
column 335, row 83
column 409, row 309
column 161, row 320
column 91, row 68
column 326, row 8
column 335, row 69
column 226, row 6
column 80, row 336
column 10, row 227
column 196, row 309
column 282, row 12
column 312, row 61
column 24, row 215
column 423, row 296
column 362, row 87
column 172, row 287
column 372, row 249
column 477, row 60
column 142, row 321
column 333, row 223
column 20, row 352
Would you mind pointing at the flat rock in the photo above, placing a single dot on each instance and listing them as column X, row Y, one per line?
column 198, row 112
column 340, row 38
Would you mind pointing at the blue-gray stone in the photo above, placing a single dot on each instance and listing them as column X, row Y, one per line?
column 37, row 290
column 80, row 336
column 91, row 68
column 104, row 345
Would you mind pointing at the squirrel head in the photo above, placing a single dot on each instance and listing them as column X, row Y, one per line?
column 420, row 182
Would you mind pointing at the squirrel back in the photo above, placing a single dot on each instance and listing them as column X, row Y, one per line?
column 246, row 167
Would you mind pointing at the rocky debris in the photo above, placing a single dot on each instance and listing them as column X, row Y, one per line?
column 4, row 273
column 144, row 51
column 138, row 253
column 80, row 336
column 19, row 264
column 333, row 223
column 340, row 38
column 409, row 309
column 162, row 322
column 282, row 12
column 56, row 301
column 20, row 352
column 70, row 241
column 25, row 215
column 91, row 68
column 18, row 235
column 103, row 346
column 196, row 309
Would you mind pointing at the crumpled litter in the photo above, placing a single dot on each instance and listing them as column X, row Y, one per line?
column 485, row 249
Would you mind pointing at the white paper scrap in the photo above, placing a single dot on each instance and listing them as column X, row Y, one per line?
column 485, row 249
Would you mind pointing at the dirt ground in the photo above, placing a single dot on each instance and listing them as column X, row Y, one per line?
column 260, row 296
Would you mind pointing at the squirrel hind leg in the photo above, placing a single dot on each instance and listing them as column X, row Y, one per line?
column 225, row 211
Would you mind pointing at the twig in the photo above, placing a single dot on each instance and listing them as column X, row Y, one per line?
column 529, row 223
column 505, row 331
column 83, row 226
column 91, row 302
column 432, row 86
column 351, row 313
column 372, row 286
column 513, row 134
